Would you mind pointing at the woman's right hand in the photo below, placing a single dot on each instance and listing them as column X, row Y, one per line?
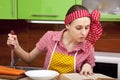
column 12, row 40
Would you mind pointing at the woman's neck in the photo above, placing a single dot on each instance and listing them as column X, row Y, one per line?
column 68, row 41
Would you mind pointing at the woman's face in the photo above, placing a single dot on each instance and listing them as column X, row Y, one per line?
column 79, row 28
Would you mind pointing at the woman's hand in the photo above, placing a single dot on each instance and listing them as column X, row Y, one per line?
column 12, row 40
column 86, row 69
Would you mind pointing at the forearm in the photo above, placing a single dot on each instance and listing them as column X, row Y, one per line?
column 25, row 56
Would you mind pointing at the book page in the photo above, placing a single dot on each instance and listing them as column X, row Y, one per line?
column 77, row 76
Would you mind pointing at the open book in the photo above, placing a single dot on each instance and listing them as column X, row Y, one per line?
column 77, row 76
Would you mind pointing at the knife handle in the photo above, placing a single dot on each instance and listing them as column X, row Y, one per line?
column 12, row 32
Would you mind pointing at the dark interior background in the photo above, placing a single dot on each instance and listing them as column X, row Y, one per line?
column 30, row 33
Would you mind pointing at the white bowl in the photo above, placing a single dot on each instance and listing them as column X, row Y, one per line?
column 41, row 74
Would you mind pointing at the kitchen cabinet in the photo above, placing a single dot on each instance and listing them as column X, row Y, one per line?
column 110, row 9
column 8, row 9
column 43, row 9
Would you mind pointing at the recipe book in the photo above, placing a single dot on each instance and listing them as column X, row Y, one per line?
column 77, row 76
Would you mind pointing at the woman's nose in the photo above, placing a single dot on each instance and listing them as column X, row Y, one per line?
column 83, row 32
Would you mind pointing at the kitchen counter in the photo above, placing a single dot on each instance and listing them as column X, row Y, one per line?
column 75, row 76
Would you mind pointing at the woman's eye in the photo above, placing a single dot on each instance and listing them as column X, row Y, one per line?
column 82, row 27
column 78, row 28
column 87, row 27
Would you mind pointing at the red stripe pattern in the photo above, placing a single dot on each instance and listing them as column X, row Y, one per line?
column 77, row 14
column 95, row 26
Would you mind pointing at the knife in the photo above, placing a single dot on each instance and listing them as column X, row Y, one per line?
column 12, row 51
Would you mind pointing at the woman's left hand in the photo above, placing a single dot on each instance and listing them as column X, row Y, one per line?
column 86, row 69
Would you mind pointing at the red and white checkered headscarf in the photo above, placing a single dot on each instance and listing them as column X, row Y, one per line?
column 77, row 14
column 95, row 26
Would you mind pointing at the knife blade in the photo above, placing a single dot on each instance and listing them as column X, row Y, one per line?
column 12, row 51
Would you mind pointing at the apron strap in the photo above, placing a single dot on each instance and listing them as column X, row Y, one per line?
column 52, row 54
column 75, row 61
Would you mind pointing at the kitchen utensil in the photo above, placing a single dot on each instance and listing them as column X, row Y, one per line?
column 12, row 51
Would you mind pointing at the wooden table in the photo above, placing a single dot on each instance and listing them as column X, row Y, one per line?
column 69, row 76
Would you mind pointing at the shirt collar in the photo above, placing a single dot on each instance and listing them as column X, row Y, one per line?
column 58, row 36
column 80, row 47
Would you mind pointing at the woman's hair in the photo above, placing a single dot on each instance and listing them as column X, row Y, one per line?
column 75, row 8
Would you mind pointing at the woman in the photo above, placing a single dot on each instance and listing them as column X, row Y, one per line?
column 69, row 50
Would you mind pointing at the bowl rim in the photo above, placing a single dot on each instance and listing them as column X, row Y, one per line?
column 27, row 72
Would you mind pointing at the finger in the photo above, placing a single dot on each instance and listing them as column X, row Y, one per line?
column 90, row 72
column 9, row 34
column 82, row 72
column 7, row 42
column 10, row 42
column 11, row 39
column 86, row 73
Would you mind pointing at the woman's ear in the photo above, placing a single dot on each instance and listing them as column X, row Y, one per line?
column 67, row 26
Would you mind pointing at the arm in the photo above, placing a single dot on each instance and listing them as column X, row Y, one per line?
column 87, row 67
column 27, row 57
